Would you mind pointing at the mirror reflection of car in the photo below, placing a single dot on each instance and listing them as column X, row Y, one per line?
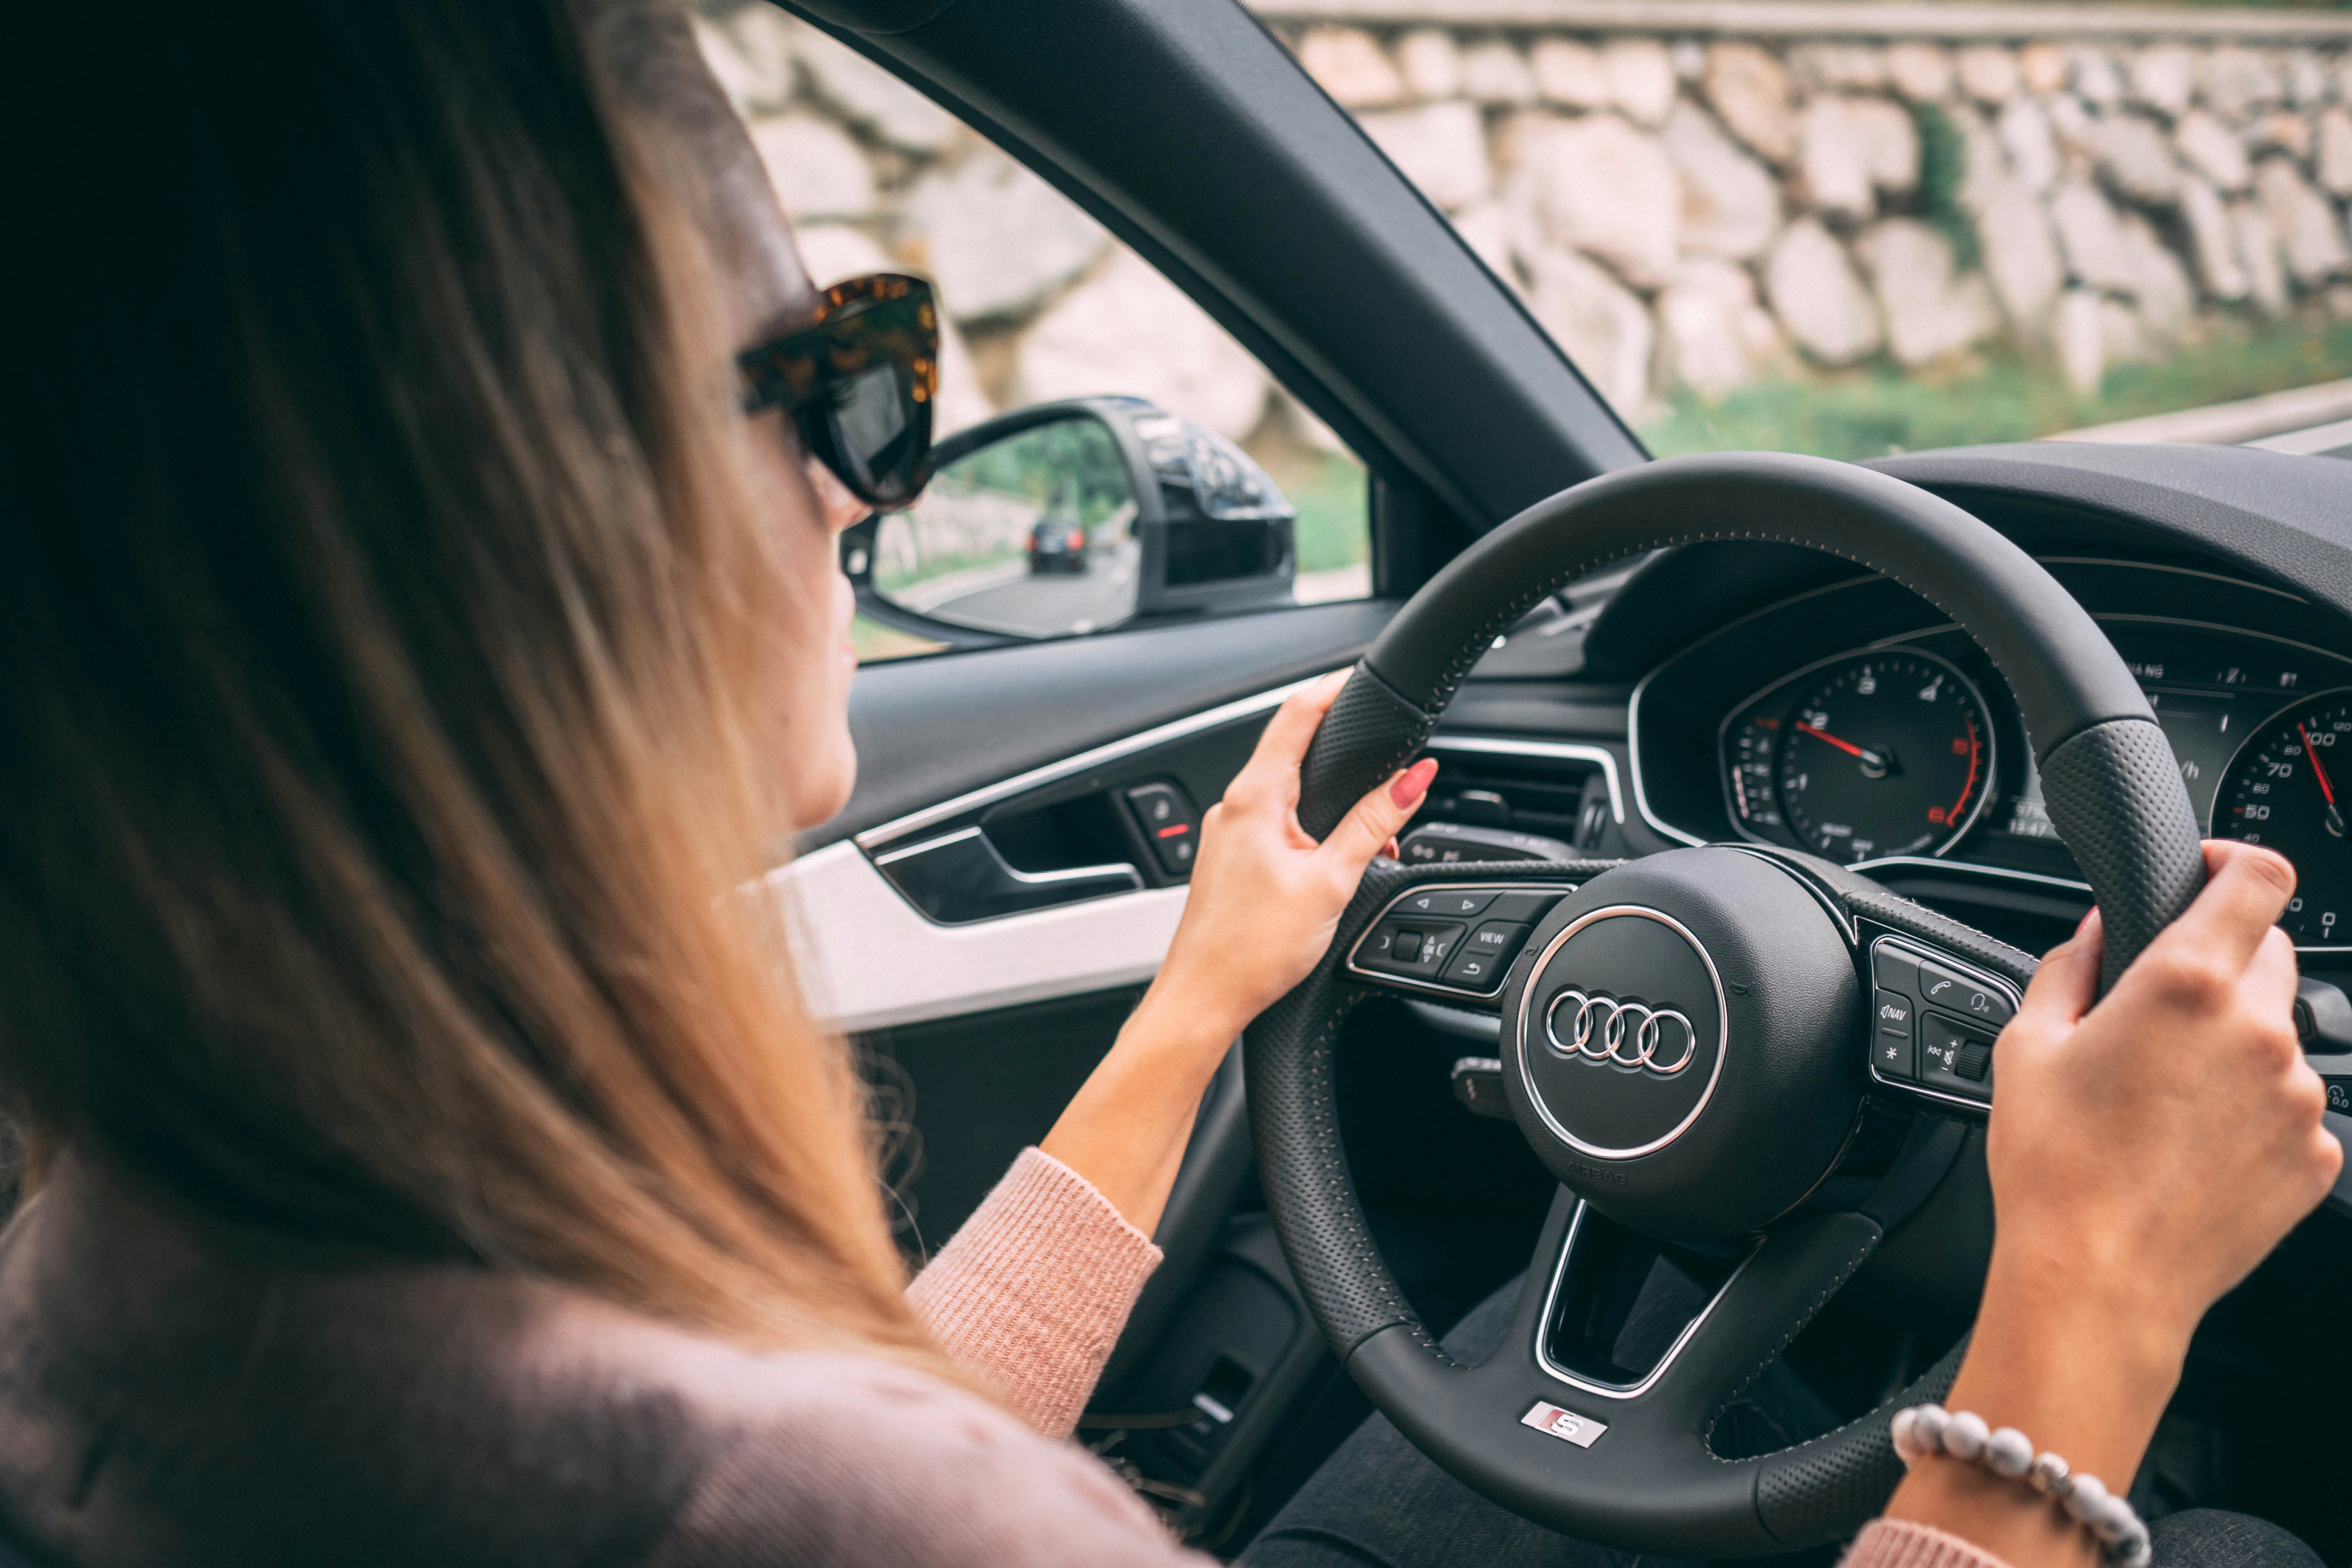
column 1058, row 541
column 1057, row 544
column 1072, row 517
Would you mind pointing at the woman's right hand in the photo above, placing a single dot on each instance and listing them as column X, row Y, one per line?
column 2146, row 1152
column 2162, row 1142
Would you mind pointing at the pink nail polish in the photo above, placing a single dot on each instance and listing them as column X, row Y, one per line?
column 1414, row 782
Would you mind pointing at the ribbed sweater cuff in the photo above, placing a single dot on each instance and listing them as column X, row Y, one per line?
column 1904, row 1543
column 1033, row 1291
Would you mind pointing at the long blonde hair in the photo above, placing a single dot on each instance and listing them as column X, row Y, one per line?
column 381, row 743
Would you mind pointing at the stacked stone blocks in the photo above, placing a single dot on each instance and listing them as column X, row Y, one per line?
column 1681, row 213
column 1706, row 213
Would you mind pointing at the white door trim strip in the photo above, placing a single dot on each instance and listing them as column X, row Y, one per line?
column 866, row 960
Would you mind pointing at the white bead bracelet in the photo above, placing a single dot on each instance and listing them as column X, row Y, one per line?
column 1925, row 1429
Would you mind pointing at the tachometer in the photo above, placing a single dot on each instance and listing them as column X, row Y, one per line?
column 2288, row 788
column 1884, row 753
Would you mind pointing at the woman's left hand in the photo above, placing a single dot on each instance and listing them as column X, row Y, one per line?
column 1265, row 904
column 1267, row 898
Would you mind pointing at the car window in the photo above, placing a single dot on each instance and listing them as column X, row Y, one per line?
column 1850, row 245
column 1038, row 534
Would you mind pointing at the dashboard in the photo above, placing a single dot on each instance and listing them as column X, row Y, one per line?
column 1854, row 722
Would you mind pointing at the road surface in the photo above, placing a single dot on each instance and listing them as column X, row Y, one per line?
column 1010, row 598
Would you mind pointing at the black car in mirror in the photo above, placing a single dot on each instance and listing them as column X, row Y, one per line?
column 1072, row 517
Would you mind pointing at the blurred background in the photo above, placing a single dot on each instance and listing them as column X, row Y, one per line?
column 1839, row 227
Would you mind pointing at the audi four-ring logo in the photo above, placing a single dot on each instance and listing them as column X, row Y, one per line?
column 1603, row 1029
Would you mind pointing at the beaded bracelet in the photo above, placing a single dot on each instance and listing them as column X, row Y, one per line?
column 1926, row 1429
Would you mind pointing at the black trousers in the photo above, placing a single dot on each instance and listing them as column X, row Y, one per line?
column 1378, row 1502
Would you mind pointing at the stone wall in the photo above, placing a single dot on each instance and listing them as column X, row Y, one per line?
column 1680, row 209
column 1709, row 211
column 1042, row 302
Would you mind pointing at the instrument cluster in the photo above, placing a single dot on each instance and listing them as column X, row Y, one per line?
column 1904, row 747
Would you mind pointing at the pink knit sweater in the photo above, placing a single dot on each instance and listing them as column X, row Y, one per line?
column 1032, row 1292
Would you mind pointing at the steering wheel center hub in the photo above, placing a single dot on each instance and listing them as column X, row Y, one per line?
column 1626, row 1031
column 1679, row 1050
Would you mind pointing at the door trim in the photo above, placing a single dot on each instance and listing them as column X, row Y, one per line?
column 1085, row 762
column 867, row 959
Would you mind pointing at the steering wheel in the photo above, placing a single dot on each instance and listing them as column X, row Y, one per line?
column 1731, row 991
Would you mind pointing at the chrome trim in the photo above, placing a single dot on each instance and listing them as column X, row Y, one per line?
column 1973, row 867
column 1722, row 1031
column 928, row 844
column 1615, row 1390
column 1633, row 756
column 1919, row 948
column 1884, row 645
column 1026, row 879
column 1435, row 987
column 1507, row 746
column 1020, row 784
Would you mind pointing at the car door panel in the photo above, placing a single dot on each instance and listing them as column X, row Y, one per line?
column 929, row 731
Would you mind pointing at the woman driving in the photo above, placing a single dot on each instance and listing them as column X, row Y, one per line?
column 426, row 558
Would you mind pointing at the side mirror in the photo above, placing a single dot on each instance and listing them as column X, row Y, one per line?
column 1073, row 517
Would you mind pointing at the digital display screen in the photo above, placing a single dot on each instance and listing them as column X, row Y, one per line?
column 2210, row 691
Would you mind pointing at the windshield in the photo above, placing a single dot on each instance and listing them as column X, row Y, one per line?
column 1846, row 243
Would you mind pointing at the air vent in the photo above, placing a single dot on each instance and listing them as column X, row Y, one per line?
column 1551, row 796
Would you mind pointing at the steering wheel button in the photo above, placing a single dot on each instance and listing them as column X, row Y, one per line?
column 1944, row 988
column 1437, row 945
column 1407, row 947
column 1891, row 1013
column 1525, row 909
column 1477, row 971
column 1499, row 937
column 1894, row 1057
column 1896, row 970
column 2339, row 1095
column 1891, row 1049
column 1954, row 1055
column 1445, row 904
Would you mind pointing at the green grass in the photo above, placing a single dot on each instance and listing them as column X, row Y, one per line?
column 1334, row 528
column 1881, row 408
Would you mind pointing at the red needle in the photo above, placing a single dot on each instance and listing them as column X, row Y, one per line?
column 1848, row 747
column 2317, row 772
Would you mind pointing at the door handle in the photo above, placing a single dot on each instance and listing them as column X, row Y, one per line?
column 960, row 876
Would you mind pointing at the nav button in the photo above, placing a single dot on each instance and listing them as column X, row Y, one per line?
column 1891, row 1048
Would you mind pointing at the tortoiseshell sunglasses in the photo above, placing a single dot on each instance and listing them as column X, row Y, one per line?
column 859, row 381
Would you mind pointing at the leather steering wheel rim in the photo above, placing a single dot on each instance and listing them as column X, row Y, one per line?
column 2112, row 790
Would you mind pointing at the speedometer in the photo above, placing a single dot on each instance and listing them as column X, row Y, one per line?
column 2287, row 788
column 1884, row 753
